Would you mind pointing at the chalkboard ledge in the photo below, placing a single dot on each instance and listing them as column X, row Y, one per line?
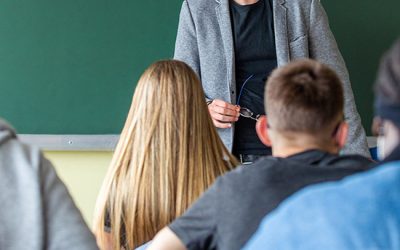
column 89, row 142
column 71, row 142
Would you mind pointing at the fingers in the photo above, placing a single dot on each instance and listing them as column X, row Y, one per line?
column 221, row 124
column 223, row 113
column 222, row 117
column 225, row 105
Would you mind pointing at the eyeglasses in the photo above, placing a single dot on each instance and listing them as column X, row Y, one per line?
column 245, row 112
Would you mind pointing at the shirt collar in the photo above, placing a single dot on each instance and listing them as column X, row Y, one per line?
column 312, row 156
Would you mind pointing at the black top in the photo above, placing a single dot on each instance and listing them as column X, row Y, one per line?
column 227, row 214
column 255, row 58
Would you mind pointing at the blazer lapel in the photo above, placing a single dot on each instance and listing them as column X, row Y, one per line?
column 281, row 36
column 224, row 21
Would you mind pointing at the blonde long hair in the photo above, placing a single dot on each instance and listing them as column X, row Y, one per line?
column 168, row 154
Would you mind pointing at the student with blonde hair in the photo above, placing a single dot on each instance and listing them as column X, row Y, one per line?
column 168, row 154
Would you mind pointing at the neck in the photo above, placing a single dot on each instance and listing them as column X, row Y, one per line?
column 284, row 152
column 246, row 2
column 286, row 148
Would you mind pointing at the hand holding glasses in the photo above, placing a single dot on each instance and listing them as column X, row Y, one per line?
column 224, row 114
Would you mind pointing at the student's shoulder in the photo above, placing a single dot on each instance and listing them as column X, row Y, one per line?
column 350, row 161
column 18, row 153
column 27, row 162
column 262, row 168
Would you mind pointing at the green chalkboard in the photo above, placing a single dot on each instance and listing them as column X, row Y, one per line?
column 70, row 67
column 364, row 30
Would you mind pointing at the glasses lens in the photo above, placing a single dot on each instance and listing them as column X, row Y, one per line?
column 246, row 112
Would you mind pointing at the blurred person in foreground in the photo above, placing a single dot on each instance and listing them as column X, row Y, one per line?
column 37, row 211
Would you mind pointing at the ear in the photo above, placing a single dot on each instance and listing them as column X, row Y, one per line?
column 341, row 134
column 262, row 130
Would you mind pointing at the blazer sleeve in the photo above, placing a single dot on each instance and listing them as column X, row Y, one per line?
column 323, row 47
column 186, row 48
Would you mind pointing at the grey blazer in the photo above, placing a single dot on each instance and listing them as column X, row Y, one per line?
column 205, row 42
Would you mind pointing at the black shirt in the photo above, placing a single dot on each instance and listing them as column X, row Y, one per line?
column 229, row 212
column 255, row 58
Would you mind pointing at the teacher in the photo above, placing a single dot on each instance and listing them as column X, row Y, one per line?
column 233, row 45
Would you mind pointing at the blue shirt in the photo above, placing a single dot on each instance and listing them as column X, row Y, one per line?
column 360, row 212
